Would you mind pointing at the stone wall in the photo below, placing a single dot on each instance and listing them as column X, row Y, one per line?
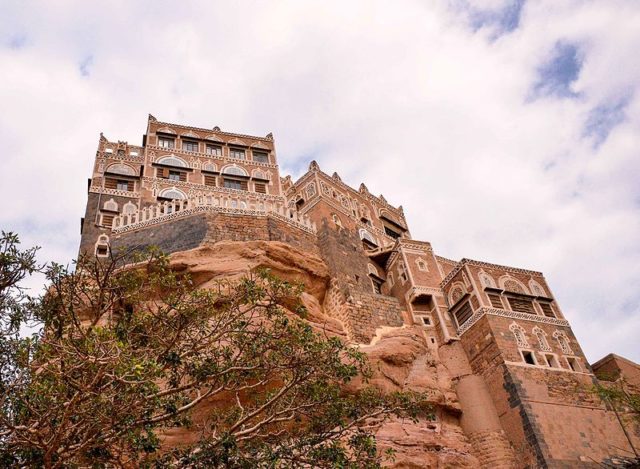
column 190, row 232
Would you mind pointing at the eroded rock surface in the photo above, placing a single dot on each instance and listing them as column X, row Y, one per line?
column 400, row 357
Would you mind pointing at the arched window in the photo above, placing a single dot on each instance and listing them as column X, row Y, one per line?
column 536, row 288
column 102, row 246
column 456, row 292
column 129, row 208
column 209, row 167
column 311, row 190
column 512, row 285
column 259, row 174
column 422, row 264
column 486, row 280
column 336, row 220
column 563, row 341
column 372, row 270
column 111, row 205
column 402, row 272
column 542, row 339
column 121, row 168
column 172, row 193
column 235, row 171
column 173, row 161
column 520, row 335
column 368, row 238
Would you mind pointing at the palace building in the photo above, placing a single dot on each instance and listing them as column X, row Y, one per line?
column 521, row 377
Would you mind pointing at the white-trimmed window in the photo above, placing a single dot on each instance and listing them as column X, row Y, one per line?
column 260, row 156
column 213, row 150
column 551, row 360
column 422, row 264
column 542, row 339
column 574, row 364
column 563, row 341
column 520, row 335
column 237, row 153
column 529, row 357
column 188, row 145
column 402, row 272
column 166, row 142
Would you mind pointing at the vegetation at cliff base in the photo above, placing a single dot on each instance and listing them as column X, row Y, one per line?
column 129, row 352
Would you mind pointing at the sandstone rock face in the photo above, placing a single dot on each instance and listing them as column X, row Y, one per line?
column 400, row 357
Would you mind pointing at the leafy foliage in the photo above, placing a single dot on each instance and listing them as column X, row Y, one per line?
column 129, row 350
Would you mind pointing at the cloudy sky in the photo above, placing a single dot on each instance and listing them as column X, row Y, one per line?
column 508, row 129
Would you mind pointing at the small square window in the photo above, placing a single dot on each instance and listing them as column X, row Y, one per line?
column 260, row 157
column 426, row 320
column 165, row 142
column 102, row 250
column 174, row 175
column 260, row 187
column 528, row 357
column 122, row 185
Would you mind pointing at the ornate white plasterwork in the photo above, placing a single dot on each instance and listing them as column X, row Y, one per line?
column 520, row 334
column 542, row 339
column 510, row 314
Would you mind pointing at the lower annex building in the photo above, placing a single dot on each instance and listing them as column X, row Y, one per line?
column 522, row 379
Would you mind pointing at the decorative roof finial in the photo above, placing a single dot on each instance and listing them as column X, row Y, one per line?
column 269, row 136
column 363, row 188
column 216, row 129
column 102, row 137
column 336, row 177
column 152, row 118
column 314, row 166
column 382, row 198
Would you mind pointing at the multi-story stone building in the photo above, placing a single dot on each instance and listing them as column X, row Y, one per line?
column 522, row 379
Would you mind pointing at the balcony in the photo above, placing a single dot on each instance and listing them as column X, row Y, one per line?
column 173, row 209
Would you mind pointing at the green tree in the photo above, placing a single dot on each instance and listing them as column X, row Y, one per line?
column 129, row 348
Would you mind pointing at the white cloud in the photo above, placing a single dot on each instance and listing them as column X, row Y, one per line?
column 427, row 103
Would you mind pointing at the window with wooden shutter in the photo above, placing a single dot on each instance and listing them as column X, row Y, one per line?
column 463, row 313
column 521, row 305
column 495, row 300
column 235, row 184
column 130, row 186
column 107, row 219
column 209, row 180
column 260, row 187
column 546, row 309
column 110, row 183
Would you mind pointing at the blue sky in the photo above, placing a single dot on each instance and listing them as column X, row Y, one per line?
column 508, row 130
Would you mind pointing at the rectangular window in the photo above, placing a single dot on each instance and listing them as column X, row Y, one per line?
column 464, row 313
column 235, row 184
column 214, row 150
column 260, row 157
column 495, row 300
column 174, row 175
column 376, row 285
column 389, row 232
column 551, row 360
column 521, row 305
column 165, row 142
column 189, row 146
column 209, row 180
column 102, row 251
column 546, row 309
column 122, row 186
column 573, row 364
column 236, row 153
column 260, row 187
column 528, row 357
column 426, row 320
column 107, row 219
